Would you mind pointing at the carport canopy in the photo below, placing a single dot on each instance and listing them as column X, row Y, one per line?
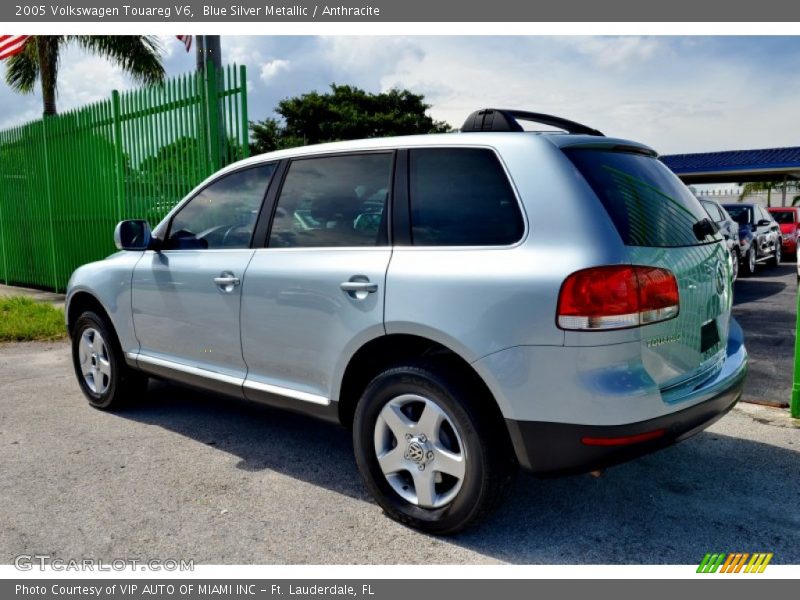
column 736, row 166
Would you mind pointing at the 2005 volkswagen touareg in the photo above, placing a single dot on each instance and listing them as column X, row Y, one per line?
column 465, row 302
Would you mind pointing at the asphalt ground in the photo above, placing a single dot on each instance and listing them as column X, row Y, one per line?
column 765, row 304
column 185, row 475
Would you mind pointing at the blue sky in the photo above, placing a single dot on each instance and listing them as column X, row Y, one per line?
column 678, row 94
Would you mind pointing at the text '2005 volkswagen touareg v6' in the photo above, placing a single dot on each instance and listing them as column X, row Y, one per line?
column 467, row 303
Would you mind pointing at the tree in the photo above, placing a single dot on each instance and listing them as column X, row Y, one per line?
column 344, row 113
column 138, row 55
column 754, row 187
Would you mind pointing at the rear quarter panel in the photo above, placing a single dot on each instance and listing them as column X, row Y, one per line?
column 480, row 300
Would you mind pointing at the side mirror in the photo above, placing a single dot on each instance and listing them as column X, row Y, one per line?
column 764, row 223
column 133, row 235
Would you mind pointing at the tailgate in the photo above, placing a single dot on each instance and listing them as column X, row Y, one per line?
column 663, row 225
column 693, row 343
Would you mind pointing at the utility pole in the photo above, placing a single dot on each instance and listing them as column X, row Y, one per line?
column 208, row 49
column 200, row 53
column 209, row 64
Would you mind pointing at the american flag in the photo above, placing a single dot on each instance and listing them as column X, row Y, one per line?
column 12, row 44
column 187, row 41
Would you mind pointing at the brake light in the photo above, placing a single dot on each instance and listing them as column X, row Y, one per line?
column 617, row 296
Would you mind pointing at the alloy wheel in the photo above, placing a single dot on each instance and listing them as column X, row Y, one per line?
column 420, row 451
column 94, row 361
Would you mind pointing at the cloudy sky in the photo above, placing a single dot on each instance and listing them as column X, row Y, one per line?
column 678, row 94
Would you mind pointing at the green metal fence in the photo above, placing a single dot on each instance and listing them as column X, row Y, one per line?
column 65, row 181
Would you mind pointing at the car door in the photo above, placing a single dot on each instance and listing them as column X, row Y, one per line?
column 315, row 292
column 186, row 296
column 765, row 233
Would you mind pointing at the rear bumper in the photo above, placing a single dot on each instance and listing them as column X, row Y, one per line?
column 548, row 449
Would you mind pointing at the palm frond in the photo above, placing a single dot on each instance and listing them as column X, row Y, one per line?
column 22, row 70
column 138, row 55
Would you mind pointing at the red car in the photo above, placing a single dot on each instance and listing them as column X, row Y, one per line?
column 789, row 220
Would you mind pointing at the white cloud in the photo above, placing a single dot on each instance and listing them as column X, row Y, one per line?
column 168, row 44
column 273, row 68
column 621, row 53
column 84, row 79
column 369, row 54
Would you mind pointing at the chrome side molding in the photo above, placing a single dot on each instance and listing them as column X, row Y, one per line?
column 228, row 379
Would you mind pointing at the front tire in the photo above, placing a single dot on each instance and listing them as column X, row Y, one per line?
column 749, row 262
column 104, row 377
column 429, row 449
column 776, row 258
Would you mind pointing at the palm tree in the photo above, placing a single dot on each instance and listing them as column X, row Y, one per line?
column 138, row 55
column 754, row 187
column 767, row 186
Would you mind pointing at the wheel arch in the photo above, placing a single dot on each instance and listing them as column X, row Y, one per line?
column 381, row 353
column 81, row 301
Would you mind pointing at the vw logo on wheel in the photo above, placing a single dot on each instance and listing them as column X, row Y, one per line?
column 415, row 452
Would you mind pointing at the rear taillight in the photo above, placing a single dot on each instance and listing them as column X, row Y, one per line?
column 617, row 296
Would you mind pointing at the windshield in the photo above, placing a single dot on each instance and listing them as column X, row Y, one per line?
column 741, row 214
column 648, row 204
column 784, row 217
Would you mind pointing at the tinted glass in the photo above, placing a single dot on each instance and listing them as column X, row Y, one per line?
column 333, row 201
column 713, row 211
column 223, row 215
column 740, row 213
column 648, row 204
column 784, row 217
column 462, row 197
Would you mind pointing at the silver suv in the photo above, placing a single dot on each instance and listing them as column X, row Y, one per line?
column 466, row 303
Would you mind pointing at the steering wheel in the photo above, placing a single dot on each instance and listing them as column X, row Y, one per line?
column 228, row 232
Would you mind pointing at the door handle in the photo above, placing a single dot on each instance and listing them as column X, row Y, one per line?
column 359, row 286
column 226, row 282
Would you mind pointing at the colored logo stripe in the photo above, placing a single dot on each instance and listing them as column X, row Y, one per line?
column 734, row 562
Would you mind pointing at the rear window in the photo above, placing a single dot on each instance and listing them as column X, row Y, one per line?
column 784, row 217
column 646, row 201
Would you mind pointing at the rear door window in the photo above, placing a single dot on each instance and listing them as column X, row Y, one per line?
column 646, row 201
column 334, row 201
column 462, row 197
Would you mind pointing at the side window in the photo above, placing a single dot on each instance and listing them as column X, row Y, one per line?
column 461, row 197
column 333, row 201
column 713, row 211
column 223, row 215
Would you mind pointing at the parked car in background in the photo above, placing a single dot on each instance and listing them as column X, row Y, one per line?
column 428, row 293
column 759, row 236
column 728, row 228
column 788, row 219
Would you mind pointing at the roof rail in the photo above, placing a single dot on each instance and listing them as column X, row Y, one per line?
column 500, row 119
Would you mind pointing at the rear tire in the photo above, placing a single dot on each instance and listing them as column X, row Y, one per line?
column 445, row 459
column 749, row 262
column 105, row 379
column 735, row 264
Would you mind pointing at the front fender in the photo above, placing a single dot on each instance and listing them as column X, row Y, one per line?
column 108, row 282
